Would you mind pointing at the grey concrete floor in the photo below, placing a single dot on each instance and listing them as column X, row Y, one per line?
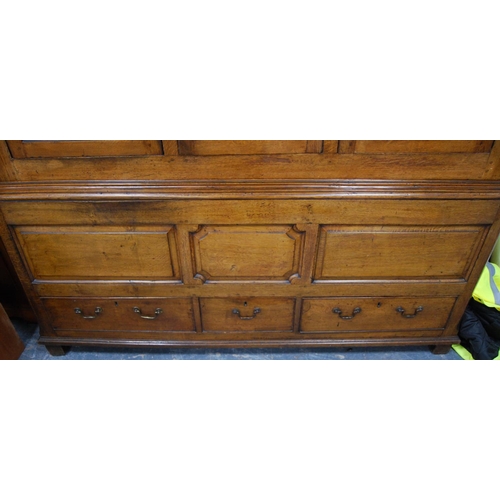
column 29, row 334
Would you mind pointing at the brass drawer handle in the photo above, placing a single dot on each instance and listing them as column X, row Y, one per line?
column 355, row 311
column 409, row 316
column 255, row 312
column 97, row 311
column 158, row 311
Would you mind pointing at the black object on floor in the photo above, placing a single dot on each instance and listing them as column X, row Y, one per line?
column 489, row 317
column 474, row 331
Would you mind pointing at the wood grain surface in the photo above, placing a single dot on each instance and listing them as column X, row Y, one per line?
column 249, row 243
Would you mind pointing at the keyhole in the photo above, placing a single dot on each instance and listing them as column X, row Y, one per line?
column 379, row 304
column 245, row 304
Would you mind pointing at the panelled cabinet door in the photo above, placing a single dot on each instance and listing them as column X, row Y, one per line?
column 414, row 147
column 61, row 149
column 248, row 147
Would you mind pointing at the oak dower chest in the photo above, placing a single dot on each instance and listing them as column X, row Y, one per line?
column 249, row 243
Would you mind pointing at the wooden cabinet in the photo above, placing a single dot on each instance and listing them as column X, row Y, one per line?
column 250, row 243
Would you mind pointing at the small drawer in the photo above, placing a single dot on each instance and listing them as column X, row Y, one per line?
column 375, row 314
column 126, row 314
column 247, row 315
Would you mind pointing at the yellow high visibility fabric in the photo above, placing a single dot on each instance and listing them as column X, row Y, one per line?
column 484, row 292
column 465, row 354
column 462, row 352
column 487, row 292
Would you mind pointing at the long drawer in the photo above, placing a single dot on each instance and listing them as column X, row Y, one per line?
column 370, row 314
column 121, row 314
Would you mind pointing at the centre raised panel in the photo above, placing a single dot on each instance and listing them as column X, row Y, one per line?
column 246, row 253
column 209, row 148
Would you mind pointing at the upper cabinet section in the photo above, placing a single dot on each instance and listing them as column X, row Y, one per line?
column 65, row 149
column 81, row 149
column 225, row 160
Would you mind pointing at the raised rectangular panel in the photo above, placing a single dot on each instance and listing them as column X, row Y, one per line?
column 99, row 252
column 62, row 149
column 396, row 252
column 248, row 147
column 236, row 253
column 412, row 147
